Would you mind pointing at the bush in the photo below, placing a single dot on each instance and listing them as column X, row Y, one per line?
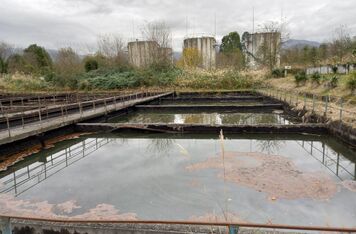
column 316, row 78
column 351, row 82
column 278, row 73
column 301, row 78
column 91, row 64
column 334, row 69
column 334, row 82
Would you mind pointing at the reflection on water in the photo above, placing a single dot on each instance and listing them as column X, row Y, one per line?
column 204, row 118
column 270, row 146
column 134, row 175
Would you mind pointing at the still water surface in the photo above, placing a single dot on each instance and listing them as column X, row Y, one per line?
column 172, row 177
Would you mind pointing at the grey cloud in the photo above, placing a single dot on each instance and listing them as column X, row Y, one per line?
column 76, row 22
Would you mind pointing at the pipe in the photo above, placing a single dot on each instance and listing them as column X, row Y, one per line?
column 227, row 224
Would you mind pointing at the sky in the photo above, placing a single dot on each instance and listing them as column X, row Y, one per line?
column 78, row 23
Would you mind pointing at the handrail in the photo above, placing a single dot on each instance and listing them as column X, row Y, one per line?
column 201, row 223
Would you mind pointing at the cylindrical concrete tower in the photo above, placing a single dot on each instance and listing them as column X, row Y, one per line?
column 142, row 53
column 206, row 49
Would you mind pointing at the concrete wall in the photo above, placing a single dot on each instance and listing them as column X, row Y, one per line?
column 255, row 44
column 206, row 48
column 142, row 53
column 327, row 69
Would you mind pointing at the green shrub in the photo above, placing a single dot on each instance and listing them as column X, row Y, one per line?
column 301, row 78
column 316, row 78
column 334, row 82
column 334, row 69
column 278, row 73
column 351, row 82
column 91, row 64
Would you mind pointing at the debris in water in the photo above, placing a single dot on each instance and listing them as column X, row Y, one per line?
column 273, row 174
column 350, row 185
column 10, row 206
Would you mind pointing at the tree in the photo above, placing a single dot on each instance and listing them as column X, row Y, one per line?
column 66, row 66
column 231, row 51
column 158, row 31
column 341, row 44
column 37, row 59
column 90, row 64
column 112, row 47
column 191, row 58
column 230, row 43
column 5, row 51
column 17, row 63
column 269, row 51
column 313, row 56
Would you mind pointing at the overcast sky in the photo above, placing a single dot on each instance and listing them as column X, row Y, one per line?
column 77, row 23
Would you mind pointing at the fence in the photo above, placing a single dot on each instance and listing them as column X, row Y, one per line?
column 330, row 107
column 46, row 111
column 328, row 69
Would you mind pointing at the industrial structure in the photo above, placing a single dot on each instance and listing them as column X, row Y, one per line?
column 145, row 53
column 262, row 49
column 206, row 49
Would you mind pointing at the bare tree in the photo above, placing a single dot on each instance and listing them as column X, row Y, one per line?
column 341, row 44
column 269, row 52
column 158, row 31
column 112, row 48
column 110, row 45
column 6, row 50
column 67, row 65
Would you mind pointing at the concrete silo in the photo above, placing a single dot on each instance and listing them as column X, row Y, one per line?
column 261, row 48
column 206, row 48
column 142, row 53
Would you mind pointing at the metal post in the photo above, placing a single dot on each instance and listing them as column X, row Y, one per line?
column 326, row 106
column 22, row 119
column 62, row 113
column 233, row 229
column 8, row 125
column 106, row 110
column 5, row 225
column 80, row 109
column 39, row 117
column 313, row 103
column 341, row 107
column 305, row 100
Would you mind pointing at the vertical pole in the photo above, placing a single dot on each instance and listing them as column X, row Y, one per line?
column 305, row 101
column 326, row 106
column 313, row 103
column 8, row 125
column 22, row 118
column 341, row 107
column 115, row 102
column 62, row 113
column 5, row 225
column 80, row 109
column 106, row 110
column 39, row 117
column 233, row 229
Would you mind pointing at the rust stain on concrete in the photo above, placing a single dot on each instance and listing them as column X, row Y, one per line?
column 14, row 158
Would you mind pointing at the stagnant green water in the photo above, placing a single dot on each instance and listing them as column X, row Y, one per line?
column 205, row 117
column 170, row 177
